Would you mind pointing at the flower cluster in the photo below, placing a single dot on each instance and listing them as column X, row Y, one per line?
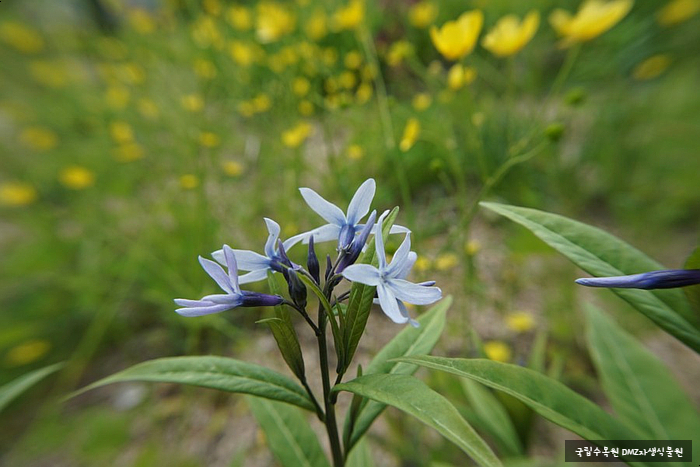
column 351, row 235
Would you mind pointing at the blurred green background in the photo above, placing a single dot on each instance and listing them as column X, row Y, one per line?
column 136, row 135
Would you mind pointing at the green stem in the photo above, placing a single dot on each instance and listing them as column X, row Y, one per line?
column 330, row 422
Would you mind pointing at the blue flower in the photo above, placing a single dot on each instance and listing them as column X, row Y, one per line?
column 233, row 297
column 257, row 264
column 340, row 226
column 392, row 287
column 666, row 279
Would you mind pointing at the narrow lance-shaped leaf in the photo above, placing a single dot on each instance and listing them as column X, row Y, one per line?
column 414, row 397
column 288, row 434
column 287, row 341
column 410, row 341
column 640, row 388
column 601, row 254
column 16, row 387
column 360, row 300
column 224, row 374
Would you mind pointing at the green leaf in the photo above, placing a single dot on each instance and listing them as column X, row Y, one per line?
column 360, row 300
column 640, row 388
column 224, row 374
column 493, row 417
column 360, row 456
column 692, row 293
column 288, row 433
column 13, row 389
column 414, row 397
column 601, row 254
column 281, row 311
column 410, row 341
column 547, row 397
column 288, row 343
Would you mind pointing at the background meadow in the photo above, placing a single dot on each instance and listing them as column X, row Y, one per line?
column 136, row 135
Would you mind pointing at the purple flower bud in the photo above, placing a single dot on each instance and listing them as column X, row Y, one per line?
column 253, row 299
column 312, row 262
column 358, row 243
column 297, row 289
column 665, row 279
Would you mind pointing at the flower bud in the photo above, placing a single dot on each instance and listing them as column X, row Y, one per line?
column 312, row 262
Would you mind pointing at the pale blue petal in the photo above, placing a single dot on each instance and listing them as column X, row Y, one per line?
column 191, row 303
column 389, row 305
column 404, row 312
column 408, row 265
column 273, row 229
column 362, row 273
column 379, row 241
column 395, row 229
column 325, row 233
column 232, row 268
column 361, row 201
column 330, row 212
column 249, row 260
column 414, row 293
column 399, row 261
column 201, row 311
column 253, row 276
column 233, row 300
column 217, row 273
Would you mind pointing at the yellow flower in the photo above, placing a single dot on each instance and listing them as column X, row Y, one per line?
column 39, row 138
column 509, row 35
column 273, row 22
column 141, row 21
column 128, row 152
column 446, row 261
column 363, row 93
column 204, row 69
column 189, row 181
column 520, row 321
column 455, row 39
column 422, row 264
column 315, row 27
column 329, row 56
column 206, row 34
column 421, row 101
column 212, row 7
column 209, row 139
column 192, row 102
column 398, row 51
column 347, row 79
column 498, row 351
column 460, row 76
column 246, row 108
column 355, row 152
column 306, row 108
column 147, row 108
column 117, row 97
column 242, row 53
column 472, row 247
column 651, row 67
column 121, row 132
column 76, row 177
column 350, row 16
column 27, row 352
column 21, row 37
column 677, row 11
column 301, row 86
column 261, row 103
column 410, row 134
column 422, row 14
column 17, row 194
column 239, row 18
column 353, row 60
column 51, row 74
column 594, row 17
column 232, row 168
column 294, row 137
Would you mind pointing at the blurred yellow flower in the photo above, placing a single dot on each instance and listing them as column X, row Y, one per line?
column 204, row 68
column 369, row 72
column 422, row 264
column 189, row 181
column 76, row 177
column 472, row 247
column 17, row 194
column 192, row 102
column 498, row 351
column 410, row 134
column 455, row 39
column 306, row 108
column 651, row 67
column 520, row 321
column 329, row 56
column 121, row 132
column 147, row 108
column 209, row 139
column 353, row 60
column 243, row 54
column 232, row 168
column 330, row 85
column 128, row 152
column 510, row 35
column 301, row 86
column 316, row 26
column 460, row 76
column 294, row 137
column 239, row 17
column 364, row 93
column 422, row 14
column 212, row 7
column 261, row 103
column 350, row 16
column 398, row 51
column 421, row 101
column 206, row 34
column 131, row 73
column 677, row 11
column 27, row 352
column 141, row 21
column 39, row 138
column 273, row 22
column 21, row 37
column 246, row 108
column 593, row 18
column 117, row 97
column 347, row 79
column 49, row 73
column 355, row 152
column 446, row 261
